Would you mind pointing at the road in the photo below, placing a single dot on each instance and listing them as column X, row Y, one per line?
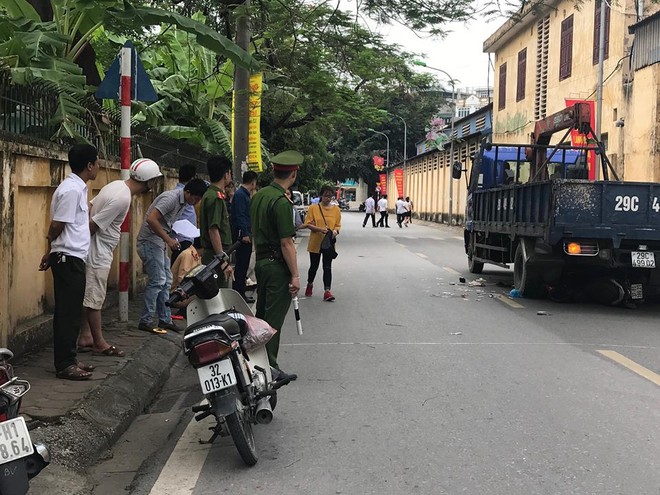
column 413, row 383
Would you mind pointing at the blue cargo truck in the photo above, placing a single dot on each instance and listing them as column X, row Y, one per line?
column 533, row 206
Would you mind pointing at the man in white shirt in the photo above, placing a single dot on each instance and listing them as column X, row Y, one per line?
column 68, row 244
column 370, row 211
column 109, row 209
column 382, row 208
column 400, row 210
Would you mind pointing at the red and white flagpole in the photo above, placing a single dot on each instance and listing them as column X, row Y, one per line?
column 125, row 147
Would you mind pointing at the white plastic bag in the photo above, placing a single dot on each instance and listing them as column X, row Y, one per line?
column 258, row 334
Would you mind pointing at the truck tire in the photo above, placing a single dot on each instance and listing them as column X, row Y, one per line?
column 526, row 282
column 473, row 266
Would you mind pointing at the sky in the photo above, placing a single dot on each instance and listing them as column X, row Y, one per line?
column 460, row 53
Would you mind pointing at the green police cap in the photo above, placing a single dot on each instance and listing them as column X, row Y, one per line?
column 287, row 160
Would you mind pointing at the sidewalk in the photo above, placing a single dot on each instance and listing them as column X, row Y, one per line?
column 80, row 421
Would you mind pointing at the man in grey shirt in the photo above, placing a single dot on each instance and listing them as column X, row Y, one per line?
column 152, row 243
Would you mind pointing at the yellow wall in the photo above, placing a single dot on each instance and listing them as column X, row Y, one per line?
column 629, row 147
column 29, row 176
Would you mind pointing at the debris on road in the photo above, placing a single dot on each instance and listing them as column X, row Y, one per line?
column 461, row 280
column 515, row 293
column 456, row 333
column 477, row 283
column 542, row 313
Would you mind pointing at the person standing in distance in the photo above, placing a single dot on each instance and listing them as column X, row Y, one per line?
column 109, row 209
column 277, row 264
column 68, row 244
column 240, row 221
column 187, row 173
column 370, row 211
column 382, row 208
column 215, row 230
column 400, row 207
column 152, row 242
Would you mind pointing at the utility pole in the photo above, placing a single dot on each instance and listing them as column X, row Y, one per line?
column 241, row 93
column 599, row 95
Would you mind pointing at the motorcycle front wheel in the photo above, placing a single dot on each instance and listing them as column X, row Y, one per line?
column 241, row 433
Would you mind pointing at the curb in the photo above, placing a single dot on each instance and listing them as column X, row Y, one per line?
column 79, row 439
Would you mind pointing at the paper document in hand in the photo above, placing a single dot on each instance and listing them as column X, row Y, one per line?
column 185, row 228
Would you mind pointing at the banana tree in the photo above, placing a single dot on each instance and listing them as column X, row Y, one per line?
column 194, row 86
column 47, row 50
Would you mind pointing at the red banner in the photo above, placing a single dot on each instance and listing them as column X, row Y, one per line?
column 398, row 179
column 383, row 184
column 578, row 139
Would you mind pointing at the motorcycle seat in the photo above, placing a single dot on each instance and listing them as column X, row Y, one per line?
column 214, row 323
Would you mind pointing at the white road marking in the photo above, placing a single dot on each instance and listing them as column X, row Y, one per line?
column 459, row 238
column 577, row 344
column 509, row 301
column 632, row 366
column 181, row 472
column 421, row 255
column 450, row 270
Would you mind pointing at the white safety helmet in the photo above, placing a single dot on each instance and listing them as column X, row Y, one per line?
column 144, row 169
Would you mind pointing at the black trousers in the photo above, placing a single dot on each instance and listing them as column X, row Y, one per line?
column 383, row 218
column 399, row 218
column 366, row 219
column 69, row 288
column 314, row 260
column 243, row 253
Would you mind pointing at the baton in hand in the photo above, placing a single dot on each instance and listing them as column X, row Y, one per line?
column 296, row 311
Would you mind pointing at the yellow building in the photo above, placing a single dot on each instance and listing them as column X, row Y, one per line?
column 547, row 57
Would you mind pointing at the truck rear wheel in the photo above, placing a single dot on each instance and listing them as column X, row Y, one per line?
column 523, row 279
column 473, row 265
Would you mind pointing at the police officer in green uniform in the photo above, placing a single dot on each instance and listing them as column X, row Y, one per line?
column 215, row 231
column 276, row 262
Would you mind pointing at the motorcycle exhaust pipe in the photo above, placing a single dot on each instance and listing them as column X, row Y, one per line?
column 264, row 414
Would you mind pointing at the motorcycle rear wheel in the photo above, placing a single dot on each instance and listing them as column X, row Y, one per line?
column 241, row 433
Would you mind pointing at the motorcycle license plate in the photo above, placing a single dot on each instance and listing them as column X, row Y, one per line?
column 643, row 259
column 14, row 440
column 216, row 376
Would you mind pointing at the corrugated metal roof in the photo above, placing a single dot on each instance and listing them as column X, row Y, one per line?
column 646, row 47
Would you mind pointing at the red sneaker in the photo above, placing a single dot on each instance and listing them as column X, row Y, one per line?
column 308, row 290
column 327, row 296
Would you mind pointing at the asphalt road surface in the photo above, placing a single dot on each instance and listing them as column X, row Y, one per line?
column 413, row 383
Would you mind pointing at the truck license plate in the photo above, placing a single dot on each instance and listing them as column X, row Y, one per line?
column 14, row 440
column 216, row 376
column 643, row 259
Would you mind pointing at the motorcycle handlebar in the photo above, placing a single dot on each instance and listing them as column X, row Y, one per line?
column 185, row 289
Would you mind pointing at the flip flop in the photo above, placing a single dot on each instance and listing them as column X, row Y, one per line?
column 73, row 372
column 86, row 367
column 112, row 351
column 151, row 329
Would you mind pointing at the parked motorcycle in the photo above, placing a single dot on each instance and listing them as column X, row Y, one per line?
column 362, row 208
column 236, row 381
column 20, row 459
column 343, row 204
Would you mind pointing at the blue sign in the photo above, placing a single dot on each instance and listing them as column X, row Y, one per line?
column 141, row 88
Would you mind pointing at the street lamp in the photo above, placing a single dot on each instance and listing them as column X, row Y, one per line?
column 387, row 159
column 452, row 81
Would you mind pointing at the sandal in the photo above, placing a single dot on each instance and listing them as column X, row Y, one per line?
column 86, row 367
column 112, row 351
column 73, row 372
column 148, row 327
column 84, row 348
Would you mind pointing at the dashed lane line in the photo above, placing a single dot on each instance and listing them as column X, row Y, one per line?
column 632, row 366
column 181, row 472
column 450, row 270
column 421, row 255
column 508, row 301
